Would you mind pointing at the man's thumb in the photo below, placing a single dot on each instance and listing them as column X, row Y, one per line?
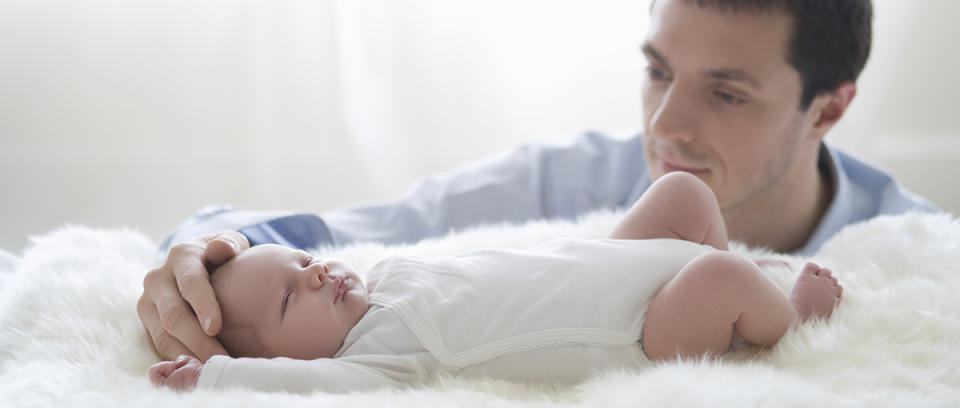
column 224, row 247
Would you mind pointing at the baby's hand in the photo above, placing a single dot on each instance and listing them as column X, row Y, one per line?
column 180, row 375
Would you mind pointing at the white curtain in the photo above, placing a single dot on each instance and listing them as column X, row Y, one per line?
column 137, row 112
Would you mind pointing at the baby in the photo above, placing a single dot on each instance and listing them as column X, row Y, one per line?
column 662, row 287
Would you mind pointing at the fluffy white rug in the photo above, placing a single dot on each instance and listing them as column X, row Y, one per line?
column 70, row 335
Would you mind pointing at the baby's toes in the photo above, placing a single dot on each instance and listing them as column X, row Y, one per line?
column 826, row 273
column 810, row 269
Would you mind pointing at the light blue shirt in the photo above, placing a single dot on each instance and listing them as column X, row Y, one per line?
column 534, row 181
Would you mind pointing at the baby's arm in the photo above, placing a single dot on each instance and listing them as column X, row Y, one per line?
column 285, row 374
column 180, row 375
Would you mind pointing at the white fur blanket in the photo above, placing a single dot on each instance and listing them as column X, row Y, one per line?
column 70, row 335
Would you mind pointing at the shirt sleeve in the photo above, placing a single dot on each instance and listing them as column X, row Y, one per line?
column 534, row 181
column 339, row 375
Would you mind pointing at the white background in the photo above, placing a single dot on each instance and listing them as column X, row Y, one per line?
column 137, row 112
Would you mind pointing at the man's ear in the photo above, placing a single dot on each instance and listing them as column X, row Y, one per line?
column 830, row 107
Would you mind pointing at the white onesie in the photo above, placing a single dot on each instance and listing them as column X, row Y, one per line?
column 559, row 312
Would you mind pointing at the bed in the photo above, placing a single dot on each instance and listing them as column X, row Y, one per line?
column 71, row 337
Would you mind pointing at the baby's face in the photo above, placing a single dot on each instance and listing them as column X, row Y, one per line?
column 299, row 307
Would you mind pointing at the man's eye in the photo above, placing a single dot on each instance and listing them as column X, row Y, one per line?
column 655, row 74
column 728, row 98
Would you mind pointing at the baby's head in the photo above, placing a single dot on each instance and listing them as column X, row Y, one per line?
column 280, row 302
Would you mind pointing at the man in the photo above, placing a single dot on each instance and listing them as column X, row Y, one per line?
column 740, row 93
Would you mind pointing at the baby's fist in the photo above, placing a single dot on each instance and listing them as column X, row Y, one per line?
column 180, row 375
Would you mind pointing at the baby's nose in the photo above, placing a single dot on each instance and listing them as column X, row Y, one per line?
column 317, row 275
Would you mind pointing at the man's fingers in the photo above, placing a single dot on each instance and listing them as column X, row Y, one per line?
column 208, row 347
column 199, row 294
column 223, row 246
column 180, row 322
column 176, row 318
column 193, row 284
column 202, row 347
column 178, row 298
column 194, row 343
column 166, row 345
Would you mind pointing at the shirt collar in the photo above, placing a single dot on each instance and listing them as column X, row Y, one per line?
column 839, row 209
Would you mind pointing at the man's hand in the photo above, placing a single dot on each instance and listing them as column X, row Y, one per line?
column 177, row 297
column 180, row 375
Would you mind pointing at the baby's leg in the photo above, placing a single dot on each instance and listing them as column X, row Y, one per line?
column 716, row 293
column 678, row 205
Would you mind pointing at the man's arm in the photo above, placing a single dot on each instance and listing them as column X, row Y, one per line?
column 531, row 182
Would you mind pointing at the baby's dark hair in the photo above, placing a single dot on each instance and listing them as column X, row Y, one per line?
column 236, row 335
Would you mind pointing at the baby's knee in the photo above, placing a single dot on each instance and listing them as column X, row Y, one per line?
column 719, row 270
column 688, row 188
column 683, row 181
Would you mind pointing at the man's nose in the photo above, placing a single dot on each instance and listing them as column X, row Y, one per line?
column 673, row 118
column 317, row 275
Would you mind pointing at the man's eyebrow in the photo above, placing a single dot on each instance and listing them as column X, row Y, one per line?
column 652, row 53
column 723, row 74
column 733, row 74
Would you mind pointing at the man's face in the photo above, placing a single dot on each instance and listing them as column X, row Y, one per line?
column 300, row 307
column 721, row 102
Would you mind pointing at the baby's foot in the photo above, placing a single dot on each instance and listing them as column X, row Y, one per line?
column 816, row 292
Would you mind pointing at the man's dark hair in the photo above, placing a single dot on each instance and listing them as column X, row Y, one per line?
column 829, row 43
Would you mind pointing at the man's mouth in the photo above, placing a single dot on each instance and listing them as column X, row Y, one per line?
column 667, row 166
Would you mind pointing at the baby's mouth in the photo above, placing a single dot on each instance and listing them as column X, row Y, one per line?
column 342, row 285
